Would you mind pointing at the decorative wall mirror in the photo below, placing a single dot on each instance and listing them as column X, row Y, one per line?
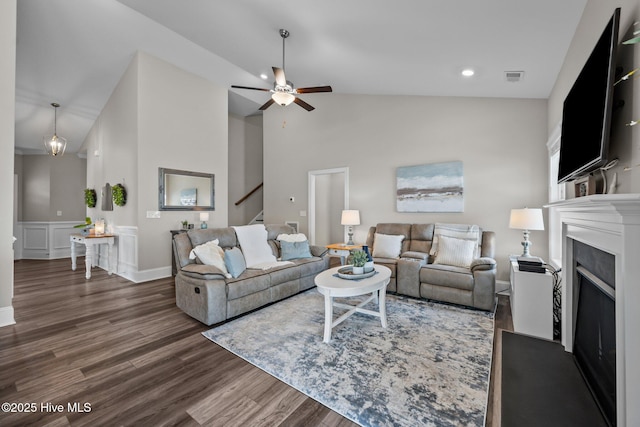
column 185, row 191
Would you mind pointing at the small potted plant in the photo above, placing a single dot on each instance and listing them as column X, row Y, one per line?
column 86, row 227
column 358, row 258
column 185, row 224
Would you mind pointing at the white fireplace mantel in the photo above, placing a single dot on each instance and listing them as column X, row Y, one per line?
column 610, row 223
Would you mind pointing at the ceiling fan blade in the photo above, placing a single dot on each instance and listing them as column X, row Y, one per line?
column 281, row 80
column 303, row 104
column 314, row 89
column 266, row 104
column 251, row 88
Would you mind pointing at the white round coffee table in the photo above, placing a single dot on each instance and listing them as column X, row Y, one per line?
column 332, row 286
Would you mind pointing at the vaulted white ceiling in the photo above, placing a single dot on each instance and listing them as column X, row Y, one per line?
column 74, row 52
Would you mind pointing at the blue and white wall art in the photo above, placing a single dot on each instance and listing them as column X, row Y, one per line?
column 435, row 187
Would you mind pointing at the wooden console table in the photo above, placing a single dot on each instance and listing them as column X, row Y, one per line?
column 90, row 242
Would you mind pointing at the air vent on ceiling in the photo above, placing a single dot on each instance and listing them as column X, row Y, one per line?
column 513, row 76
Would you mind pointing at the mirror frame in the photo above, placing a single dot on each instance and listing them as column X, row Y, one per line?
column 163, row 172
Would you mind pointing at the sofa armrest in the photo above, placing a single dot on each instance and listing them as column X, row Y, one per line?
column 318, row 251
column 483, row 263
column 415, row 255
column 484, row 283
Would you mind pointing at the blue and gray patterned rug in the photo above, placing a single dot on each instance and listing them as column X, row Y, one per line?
column 430, row 367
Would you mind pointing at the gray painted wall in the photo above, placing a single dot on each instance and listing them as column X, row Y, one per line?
column 159, row 116
column 501, row 143
column 245, row 167
column 49, row 185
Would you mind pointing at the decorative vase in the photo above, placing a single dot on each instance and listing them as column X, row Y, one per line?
column 365, row 249
column 368, row 266
column 358, row 270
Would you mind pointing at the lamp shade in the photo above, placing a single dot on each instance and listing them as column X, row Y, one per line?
column 526, row 219
column 350, row 217
column 283, row 98
column 204, row 216
column 55, row 145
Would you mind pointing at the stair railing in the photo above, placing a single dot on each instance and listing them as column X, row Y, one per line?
column 249, row 193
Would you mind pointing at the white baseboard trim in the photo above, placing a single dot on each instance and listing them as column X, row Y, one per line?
column 503, row 287
column 146, row 275
column 6, row 316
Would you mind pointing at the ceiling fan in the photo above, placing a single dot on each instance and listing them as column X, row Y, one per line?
column 283, row 92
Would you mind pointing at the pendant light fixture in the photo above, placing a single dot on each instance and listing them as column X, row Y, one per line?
column 54, row 144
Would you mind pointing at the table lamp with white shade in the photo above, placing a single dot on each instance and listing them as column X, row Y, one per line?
column 350, row 218
column 204, row 217
column 526, row 219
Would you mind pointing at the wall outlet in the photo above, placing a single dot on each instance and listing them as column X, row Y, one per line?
column 303, row 213
column 153, row 214
column 59, row 213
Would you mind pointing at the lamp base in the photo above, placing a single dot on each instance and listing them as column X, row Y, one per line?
column 203, row 225
column 350, row 241
column 526, row 244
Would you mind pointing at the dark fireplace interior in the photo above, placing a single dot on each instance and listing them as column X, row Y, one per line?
column 595, row 334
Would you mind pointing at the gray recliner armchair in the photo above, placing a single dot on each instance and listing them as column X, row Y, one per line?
column 416, row 272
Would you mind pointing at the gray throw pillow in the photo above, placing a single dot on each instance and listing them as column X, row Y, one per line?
column 234, row 261
column 294, row 250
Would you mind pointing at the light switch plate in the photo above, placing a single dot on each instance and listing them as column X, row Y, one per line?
column 153, row 214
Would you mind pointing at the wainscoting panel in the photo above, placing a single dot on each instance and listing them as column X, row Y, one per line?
column 44, row 240
column 51, row 240
column 127, row 248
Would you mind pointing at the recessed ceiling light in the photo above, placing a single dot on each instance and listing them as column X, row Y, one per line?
column 468, row 72
column 263, row 76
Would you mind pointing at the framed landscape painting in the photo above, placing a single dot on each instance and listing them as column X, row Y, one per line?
column 435, row 187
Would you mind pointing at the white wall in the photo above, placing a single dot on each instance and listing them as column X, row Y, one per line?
column 501, row 143
column 158, row 116
column 245, row 167
column 7, row 136
column 625, row 143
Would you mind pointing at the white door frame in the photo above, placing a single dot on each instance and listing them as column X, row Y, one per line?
column 312, row 196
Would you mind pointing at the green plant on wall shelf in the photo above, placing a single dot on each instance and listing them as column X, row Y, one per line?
column 90, row 197
column 119, row 195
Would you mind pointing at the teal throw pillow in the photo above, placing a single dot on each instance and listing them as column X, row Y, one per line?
column 295, row 250
column 234, row 261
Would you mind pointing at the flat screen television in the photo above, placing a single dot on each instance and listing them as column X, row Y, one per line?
column 586, row 115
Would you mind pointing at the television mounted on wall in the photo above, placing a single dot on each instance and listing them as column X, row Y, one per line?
column 587, row 110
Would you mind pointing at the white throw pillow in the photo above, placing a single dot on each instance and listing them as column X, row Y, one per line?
column 299, row 237
column 387, row 245
column 459, row 231
column 455, row 252
column 210, row 253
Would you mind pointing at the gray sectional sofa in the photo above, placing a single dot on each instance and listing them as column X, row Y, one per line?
column 416, row 272
column 204, row 293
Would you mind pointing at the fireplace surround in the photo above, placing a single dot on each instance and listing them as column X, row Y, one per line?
column 610, row 223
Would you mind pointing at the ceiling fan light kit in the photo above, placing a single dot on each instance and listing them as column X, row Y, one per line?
column 283, row 92
column 54, row 144
column 283, row 98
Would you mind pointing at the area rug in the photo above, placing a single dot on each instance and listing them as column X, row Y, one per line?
column 429, row 367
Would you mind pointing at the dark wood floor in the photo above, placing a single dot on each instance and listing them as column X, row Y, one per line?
column 112, row 352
